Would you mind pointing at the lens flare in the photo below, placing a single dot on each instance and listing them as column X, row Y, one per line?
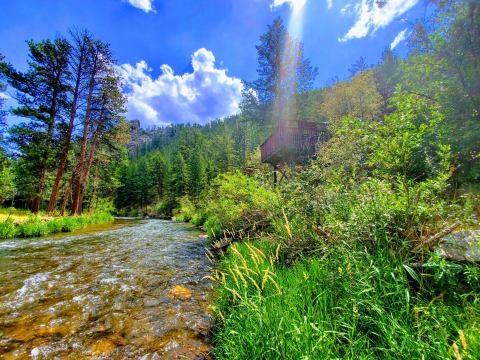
column 285, row 107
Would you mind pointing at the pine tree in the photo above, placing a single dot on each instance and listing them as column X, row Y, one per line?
column 197, row 173
column 282, row 68
column 100, row 67
column 2, row 100
column 178, row 175
column 42, row 97
column 78, row 64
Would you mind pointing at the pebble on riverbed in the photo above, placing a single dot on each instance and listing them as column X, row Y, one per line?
column 181, row 292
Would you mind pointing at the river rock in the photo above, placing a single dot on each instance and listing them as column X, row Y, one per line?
column 181, row 292
column 461, row 246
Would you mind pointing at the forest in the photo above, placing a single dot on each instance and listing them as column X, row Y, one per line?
column 339, row 259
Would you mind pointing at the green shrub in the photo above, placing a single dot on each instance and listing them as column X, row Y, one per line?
column 7, row 229
column 199, row 218
column 185, row 211
column 69, row 224
column 237, row 204
column 33, row 227
column 55, row 225
column 104, row 206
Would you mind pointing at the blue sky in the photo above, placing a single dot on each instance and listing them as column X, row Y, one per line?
column 183, row 59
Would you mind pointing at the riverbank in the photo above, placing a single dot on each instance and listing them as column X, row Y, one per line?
column 353, row 278
column 23, row 224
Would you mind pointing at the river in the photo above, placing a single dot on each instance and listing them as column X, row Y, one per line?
column 131, row 289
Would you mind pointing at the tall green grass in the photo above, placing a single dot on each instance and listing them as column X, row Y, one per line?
column 349, row 304
column 35, row 226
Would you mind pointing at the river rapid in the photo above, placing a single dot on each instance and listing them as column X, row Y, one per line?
column 131, row 289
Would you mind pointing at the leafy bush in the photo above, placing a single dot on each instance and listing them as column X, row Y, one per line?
column 33, row 227
column 199, row 218
column 104, row 206
column 237, row 204
column 392, row 181
column 185, row 211
column 7, row 229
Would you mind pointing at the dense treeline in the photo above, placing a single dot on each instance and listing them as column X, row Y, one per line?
column 182, row 162
column 63, row 155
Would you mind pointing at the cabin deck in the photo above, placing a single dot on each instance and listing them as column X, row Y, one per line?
column 293, row 143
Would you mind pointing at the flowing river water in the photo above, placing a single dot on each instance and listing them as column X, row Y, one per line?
column 131, row 289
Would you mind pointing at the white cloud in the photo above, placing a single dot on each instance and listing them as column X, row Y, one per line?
column 372, row 16
column 205, row 94
column 292, row 3
column 329, row 3
column 145, row 5
column 345, row 10
column 401, row 36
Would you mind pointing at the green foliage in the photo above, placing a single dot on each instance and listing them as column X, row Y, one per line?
column 238, row 205
column 185, row 211
column 279, row 78
column 349, row 304
column 7, row 183
column 35, row 226
column 444, row 65
column 104, row 206
column 7, row 229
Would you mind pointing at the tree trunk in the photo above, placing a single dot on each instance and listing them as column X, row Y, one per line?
column 78, row 183
column 66, row 148
column 89, row 165
column 66, row 195
column 94, row 195
column 37, row 200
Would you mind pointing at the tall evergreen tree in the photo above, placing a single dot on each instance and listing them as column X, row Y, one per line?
column 178, row 175
column 282, row 68
column 100, row 66
column 2, row 100
column 197, row 173
column 387, row 75
column 78, row 65
column 42, row 97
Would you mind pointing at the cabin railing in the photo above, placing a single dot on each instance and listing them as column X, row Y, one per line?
column 290, row 143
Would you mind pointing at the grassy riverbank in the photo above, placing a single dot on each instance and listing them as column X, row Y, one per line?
column 23, row 224
column 347, row 304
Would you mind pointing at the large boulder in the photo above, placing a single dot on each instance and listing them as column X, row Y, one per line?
column 461, row 246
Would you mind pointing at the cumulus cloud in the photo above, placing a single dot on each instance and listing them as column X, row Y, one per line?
column 291, row 3
column 372, row 15
column 401, row 36
column 145, row 5
column 203, row 95
column 329, row 3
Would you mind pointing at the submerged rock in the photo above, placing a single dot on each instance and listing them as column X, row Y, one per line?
column 181, row 292
column 461, row 246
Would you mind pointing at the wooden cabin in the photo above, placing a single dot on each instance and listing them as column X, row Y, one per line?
column 293, row 142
